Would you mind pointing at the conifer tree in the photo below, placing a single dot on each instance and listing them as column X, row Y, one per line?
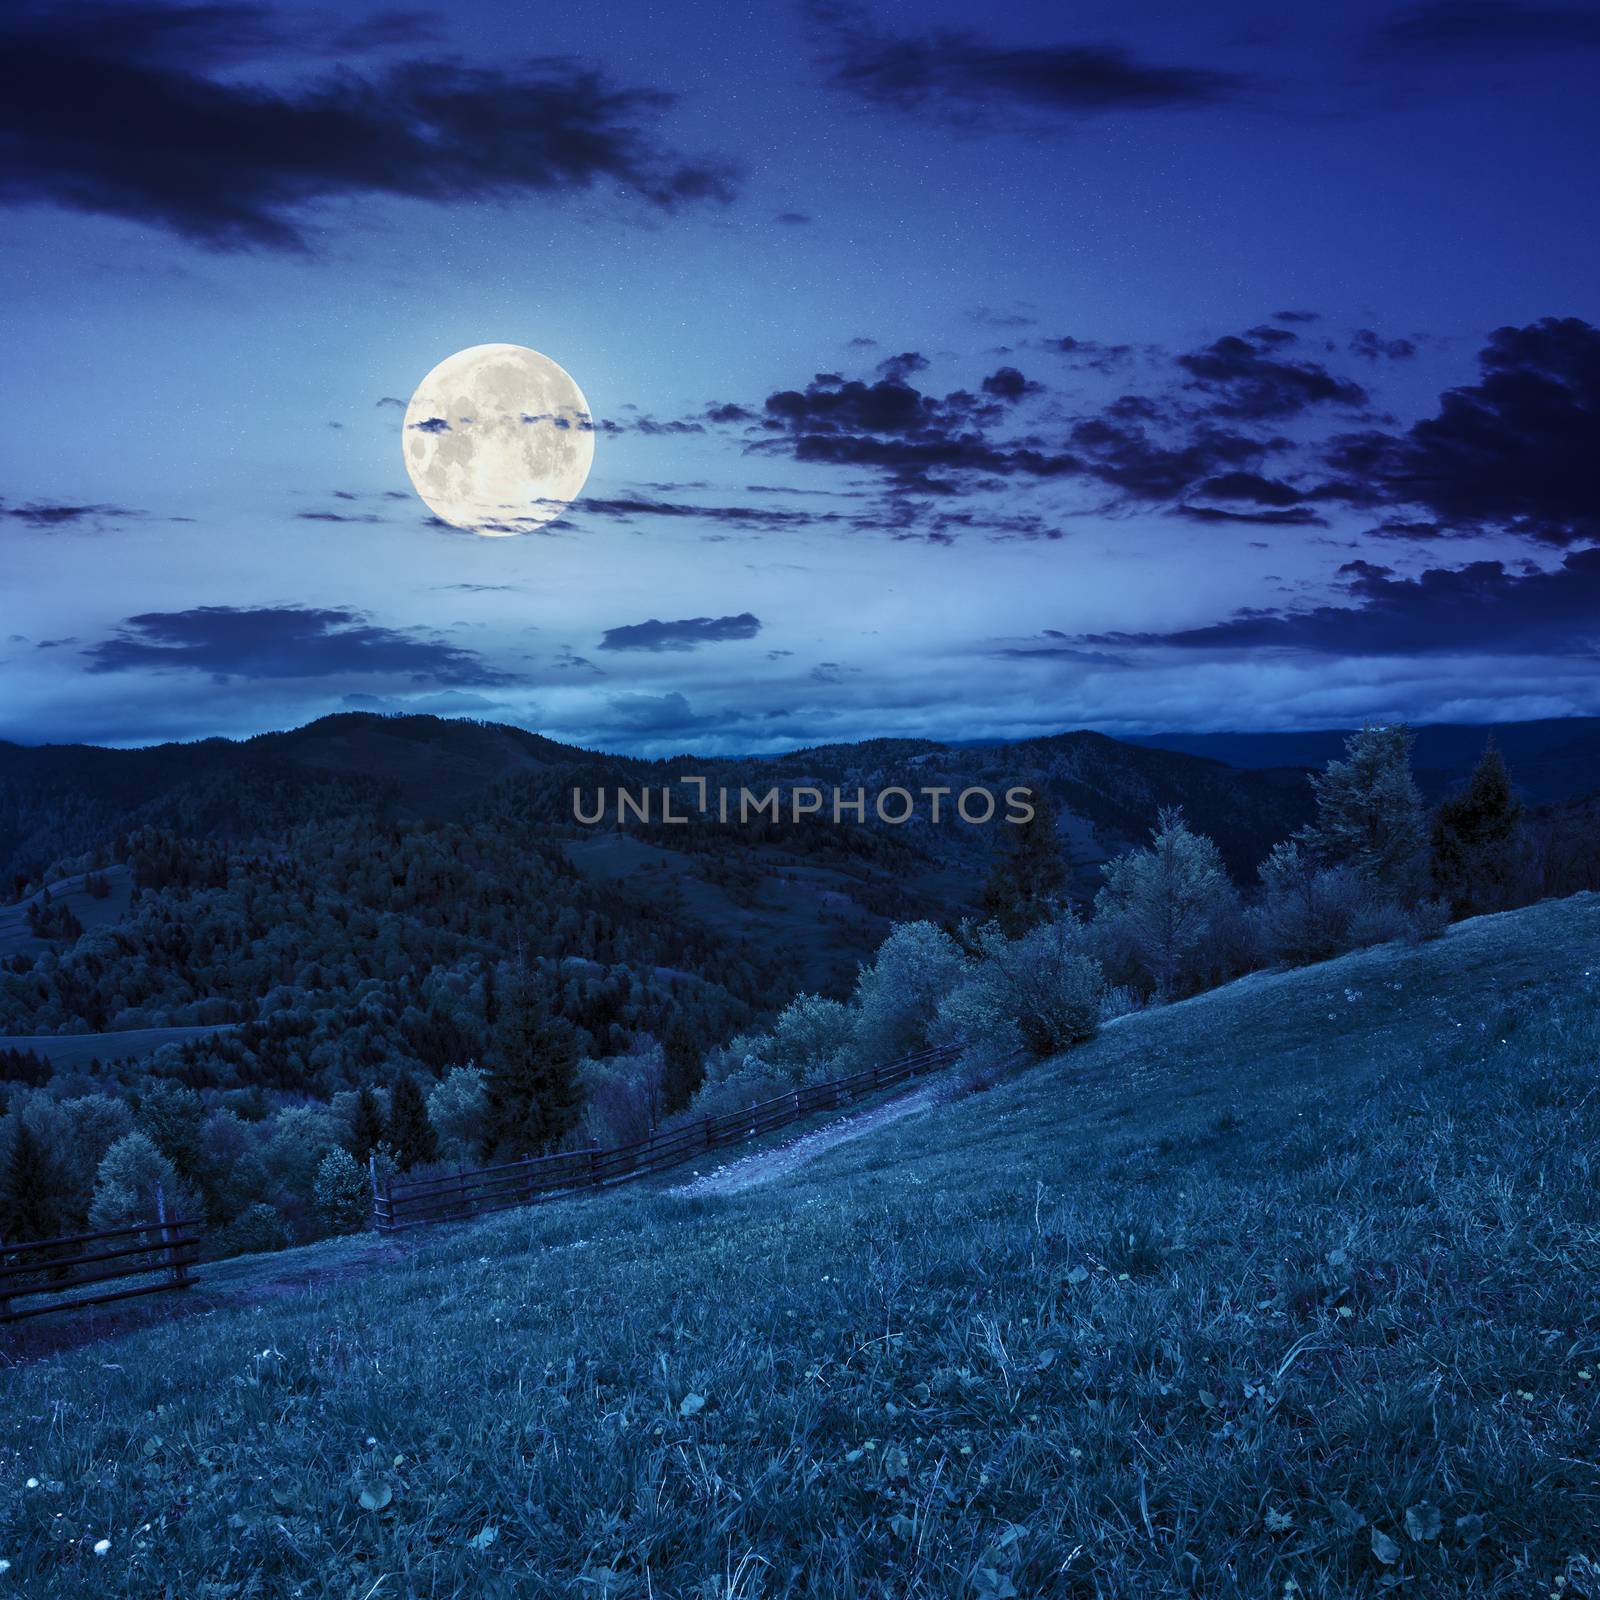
column 1477, row 839
column 410, row 1131
column 533, row 1074
column 685, row 1064
column 367, row 1130
column 1169, row 899
column 1029, row 878
column 1369, row 814
column 28, row 1208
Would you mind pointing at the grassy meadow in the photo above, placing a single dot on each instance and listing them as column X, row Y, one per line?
column 1287, row 1290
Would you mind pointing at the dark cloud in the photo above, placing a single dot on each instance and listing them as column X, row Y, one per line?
column 1364, row 342
column 118, row 109
column 918, row 439
column 281, row 642
column 439, row 425
column 51, row 515
column 1490, row 28
column 1008, row 384
column 392, row 400
column 340, row 516
column 792, row 219
column 1296, row 316
column 1294, row 517
column 687, row 634
column 1519, row 449
column 1485, row 608
column 738, row 516
column 650, row 713
column 967, row 80
column 1089, row 352
column 861, row 342
column 1246, row 382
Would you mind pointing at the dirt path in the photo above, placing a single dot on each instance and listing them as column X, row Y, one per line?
column 765, row 1165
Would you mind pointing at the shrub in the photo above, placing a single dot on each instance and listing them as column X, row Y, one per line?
column 1040, row 992
column 897, row 996
column 1377, row 921
column 622, row 1094
column 342, row 1192
column 809, row 1039
column 256, row 1229
column 1306, row 909
column 457, row 1108
column 1428, row 920
column 130, row 1175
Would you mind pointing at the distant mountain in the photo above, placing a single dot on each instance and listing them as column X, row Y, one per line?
column 1551, row 761
column 343, row 892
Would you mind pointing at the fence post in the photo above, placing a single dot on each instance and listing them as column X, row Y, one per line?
column 708, row 1133
column 461, row 1182
column 594, row 1163
column 372, row 1171
column 179, row 1272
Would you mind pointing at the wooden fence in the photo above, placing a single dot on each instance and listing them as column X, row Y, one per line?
column 46, row 1274
column 474, row 1191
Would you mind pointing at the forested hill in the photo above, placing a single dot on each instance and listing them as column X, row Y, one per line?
column 341, row 900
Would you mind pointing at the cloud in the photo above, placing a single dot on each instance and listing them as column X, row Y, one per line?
column 792, row 219
column 961, row 78
column 1247, row 383
column 281, row 642
column 687, row 634
column 439, row 425
column 1364, row 342
column 757, row 517
column 1518, row 450
column 51, row 515
column 1484, row 608
column 639, row 714
column 1295, row 517
column 118, row 109
column 1487, row 28
column 1089, row 352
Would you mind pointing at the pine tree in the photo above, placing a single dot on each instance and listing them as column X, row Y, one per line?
column 1477, row 840
column 28, row 1208
column 1029, row 877
column 685, row 1064
column 415, row 1142
column 1169, row 899
column 533, row 1075
column 1369, row 814
column 367, row 1130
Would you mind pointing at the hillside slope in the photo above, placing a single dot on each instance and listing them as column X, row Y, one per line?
column 1286, row 1290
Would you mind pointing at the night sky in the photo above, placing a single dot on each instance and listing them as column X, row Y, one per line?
column 958, row 371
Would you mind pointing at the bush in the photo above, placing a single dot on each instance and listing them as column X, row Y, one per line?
column 1377, row 922
column 897, row 996
column 126, row 1187
column 1428, row 920
column 1306, row 909
column 458, row 1108
column 256, row 1229
column 1040, row 992
column 809, row 1039
column 342, row 1192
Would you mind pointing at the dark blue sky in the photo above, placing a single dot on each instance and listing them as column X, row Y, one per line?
column 957, row 371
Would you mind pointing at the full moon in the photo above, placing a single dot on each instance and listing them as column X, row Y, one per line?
column 498, row 439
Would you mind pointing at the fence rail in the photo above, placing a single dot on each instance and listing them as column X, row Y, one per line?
column 45, row 1274
column 476, row 1191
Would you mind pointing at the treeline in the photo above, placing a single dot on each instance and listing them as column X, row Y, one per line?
column 418, row 995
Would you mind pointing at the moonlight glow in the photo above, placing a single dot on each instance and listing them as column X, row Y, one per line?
column 498, row 439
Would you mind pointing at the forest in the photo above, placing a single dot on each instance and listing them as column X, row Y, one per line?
column 322, row 974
